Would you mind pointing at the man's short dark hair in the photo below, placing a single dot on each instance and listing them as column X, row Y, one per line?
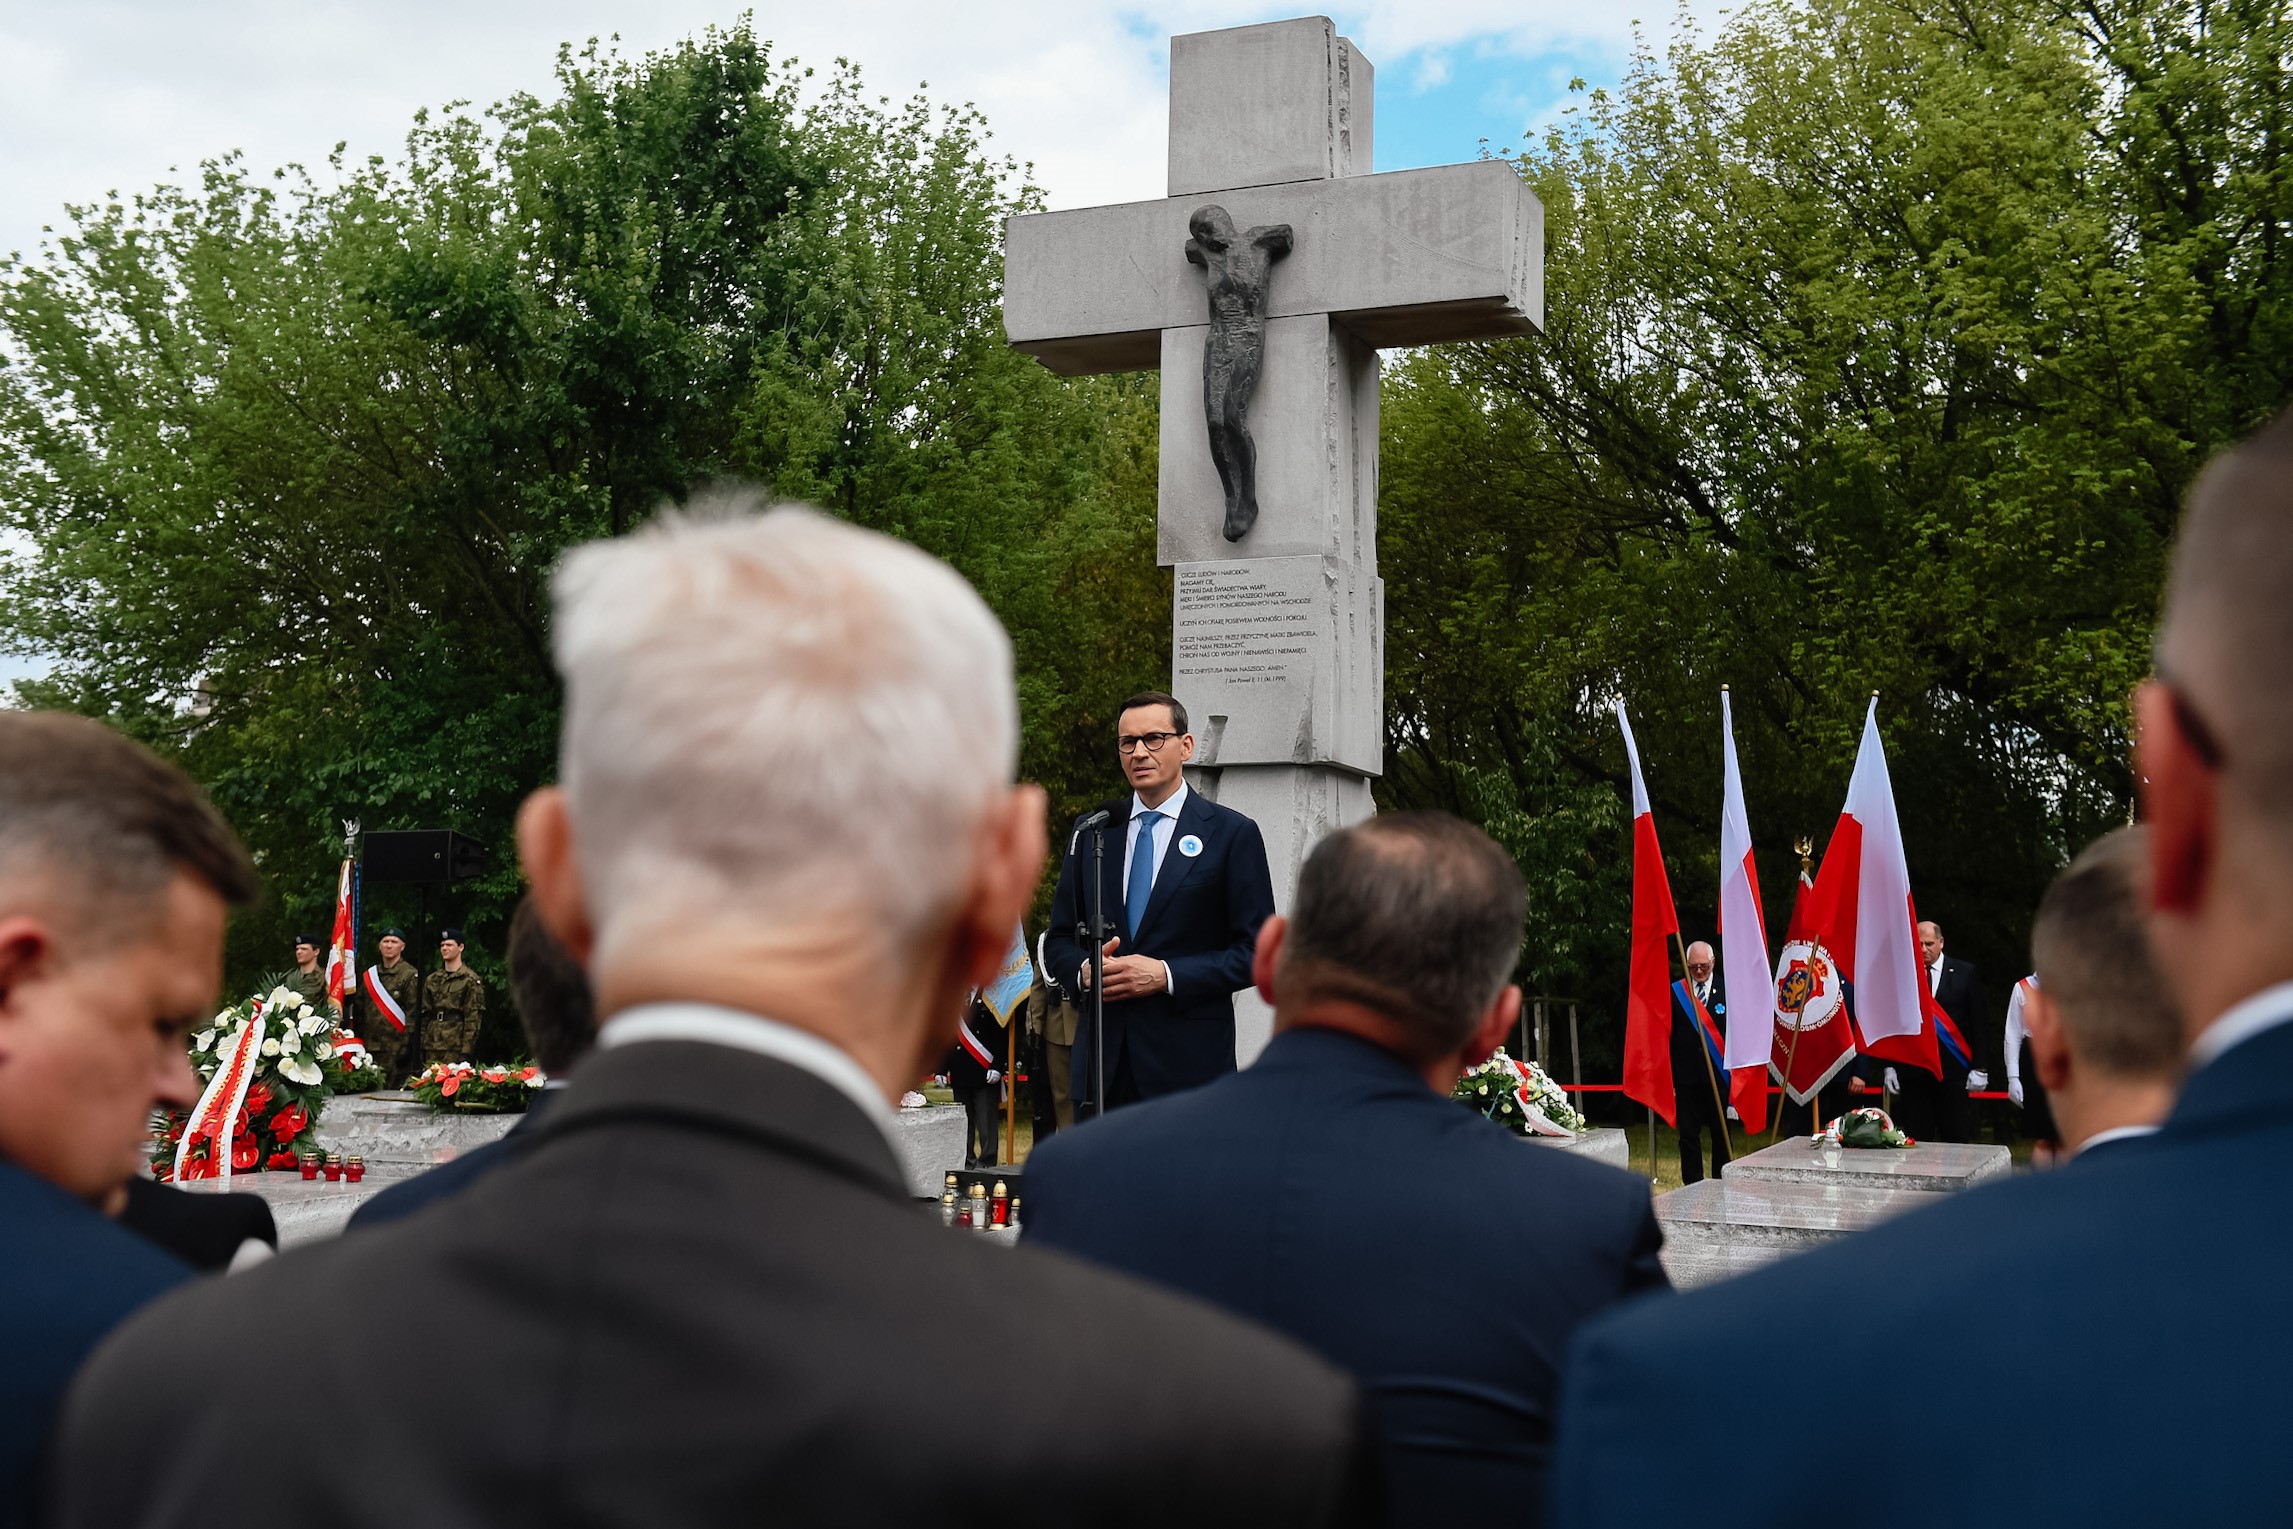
column 1154, row 698
column 551, row 992
column 83, row 802
column 1417, row 915
column 2091, row 951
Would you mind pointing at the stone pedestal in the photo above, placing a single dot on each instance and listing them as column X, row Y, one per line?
column 1942, row 1167
column 1727, row 1226
column 931, row 1145
column 306, row 1210
column 399, row 1133
column 1605, row 1145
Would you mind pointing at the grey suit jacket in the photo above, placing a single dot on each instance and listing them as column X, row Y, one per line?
column 704, row 1297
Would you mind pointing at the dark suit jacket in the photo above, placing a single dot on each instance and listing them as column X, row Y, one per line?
column 1957, row 996
column 1328, row 1192
column 67, row 1277
column 708, row 1299
column 204, row 1230
column 1202, row 918
column 2151, row 1271
column 407, row 1196
column 1692, row 1085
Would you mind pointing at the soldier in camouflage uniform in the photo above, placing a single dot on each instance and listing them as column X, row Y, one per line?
column 453, row 1005
column 391, row 1047
column 307, row 980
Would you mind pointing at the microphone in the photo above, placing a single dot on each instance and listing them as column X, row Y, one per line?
column 1096, row 819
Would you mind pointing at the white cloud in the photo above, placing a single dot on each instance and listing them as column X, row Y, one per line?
column 107, row 95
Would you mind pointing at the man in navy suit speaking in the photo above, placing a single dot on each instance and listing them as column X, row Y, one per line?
column 2143, row 1287
column 1184, row 887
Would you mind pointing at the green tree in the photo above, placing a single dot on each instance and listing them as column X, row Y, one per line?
column 1883, row 336
column 297, row 459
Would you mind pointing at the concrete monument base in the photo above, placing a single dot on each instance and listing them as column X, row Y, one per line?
column 1942, row 1166
column 1722, row 1227
column 1603, row 1145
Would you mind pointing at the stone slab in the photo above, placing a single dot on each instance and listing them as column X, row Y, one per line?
column 1412, row 257
column 1314, row 417
column 1943, row 1166
column 931, row 1143
column 1604, row 1144
column 404, row 1131
column 1251, row 106
column 1723, row 1227
column 1279, row 661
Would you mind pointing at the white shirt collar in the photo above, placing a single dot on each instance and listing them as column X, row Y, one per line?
column 1170, row 808
column 2115, row 1133
column 715, row 1025
column 2242, row 1021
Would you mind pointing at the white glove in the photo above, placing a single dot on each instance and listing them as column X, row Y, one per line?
column 993, row 1076
column 1732, row 1115
column 1893, row 1087
column 1977, row 1081
column 2014, row 1089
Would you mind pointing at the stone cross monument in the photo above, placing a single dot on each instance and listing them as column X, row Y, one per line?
column 1278, row 650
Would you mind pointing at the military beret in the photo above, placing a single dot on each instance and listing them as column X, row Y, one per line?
column 311, row 940
column 450, row 934
column 392, row 933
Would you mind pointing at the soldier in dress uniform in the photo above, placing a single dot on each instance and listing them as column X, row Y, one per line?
column 392, row 1048
column 307, row 979
column 453, row 1004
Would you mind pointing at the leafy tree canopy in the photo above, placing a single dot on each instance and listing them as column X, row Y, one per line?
column 1883, row 338
column 298, row 458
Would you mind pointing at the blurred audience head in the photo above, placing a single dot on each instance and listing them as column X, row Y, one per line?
column 2105, row 1034
column 1405, row 930
column 786, row 767
column 115, row 873
column 551, row 992
column 2215, row 728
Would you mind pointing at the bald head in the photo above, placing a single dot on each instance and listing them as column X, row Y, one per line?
column 2225, row 641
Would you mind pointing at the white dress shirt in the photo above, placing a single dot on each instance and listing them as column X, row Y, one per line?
column 2115, row 1133
column 715, row 1025
column 2242, row 1021
column 1174, row 804
column 1164, row 833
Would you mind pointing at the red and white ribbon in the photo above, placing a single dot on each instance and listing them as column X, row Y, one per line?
column 382, row 1000
column 226, row 1093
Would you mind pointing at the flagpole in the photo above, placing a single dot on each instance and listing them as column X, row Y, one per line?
column 1710, row 1074
column 1806, row 848
column 1010, row 1088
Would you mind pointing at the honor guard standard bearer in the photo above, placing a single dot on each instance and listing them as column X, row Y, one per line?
column 453, row 1005
column 394, row 992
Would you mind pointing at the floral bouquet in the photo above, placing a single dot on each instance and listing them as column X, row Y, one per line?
column 503, row 1088
column 1519, row 1097
column 288, row 1080
column 357, row 1072
column 1866, row 1127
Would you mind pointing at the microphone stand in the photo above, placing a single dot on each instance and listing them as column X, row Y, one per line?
column 1095, row 941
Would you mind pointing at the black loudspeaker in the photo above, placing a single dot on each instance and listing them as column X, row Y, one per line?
column 421, row 854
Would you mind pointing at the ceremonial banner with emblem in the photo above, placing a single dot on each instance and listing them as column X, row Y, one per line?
column 1813, row 1040
column 342, row 950
column 1008, row 989
column 1648, row 997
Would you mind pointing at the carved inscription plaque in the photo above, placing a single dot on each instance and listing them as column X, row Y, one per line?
column 1264, row 656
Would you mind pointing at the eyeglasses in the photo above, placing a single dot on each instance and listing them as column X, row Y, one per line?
column 2204, row 742
column 1151, row 742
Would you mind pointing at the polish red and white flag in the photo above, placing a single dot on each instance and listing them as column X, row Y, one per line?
column 1871, row 925
column 1743, row 943
column 1648, row 1000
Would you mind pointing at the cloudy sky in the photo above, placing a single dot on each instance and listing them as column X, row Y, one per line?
column 105, row 96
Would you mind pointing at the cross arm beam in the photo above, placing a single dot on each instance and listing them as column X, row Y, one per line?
column 1413, row 257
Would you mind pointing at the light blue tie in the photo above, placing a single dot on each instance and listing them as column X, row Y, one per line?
column 1142, row 874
